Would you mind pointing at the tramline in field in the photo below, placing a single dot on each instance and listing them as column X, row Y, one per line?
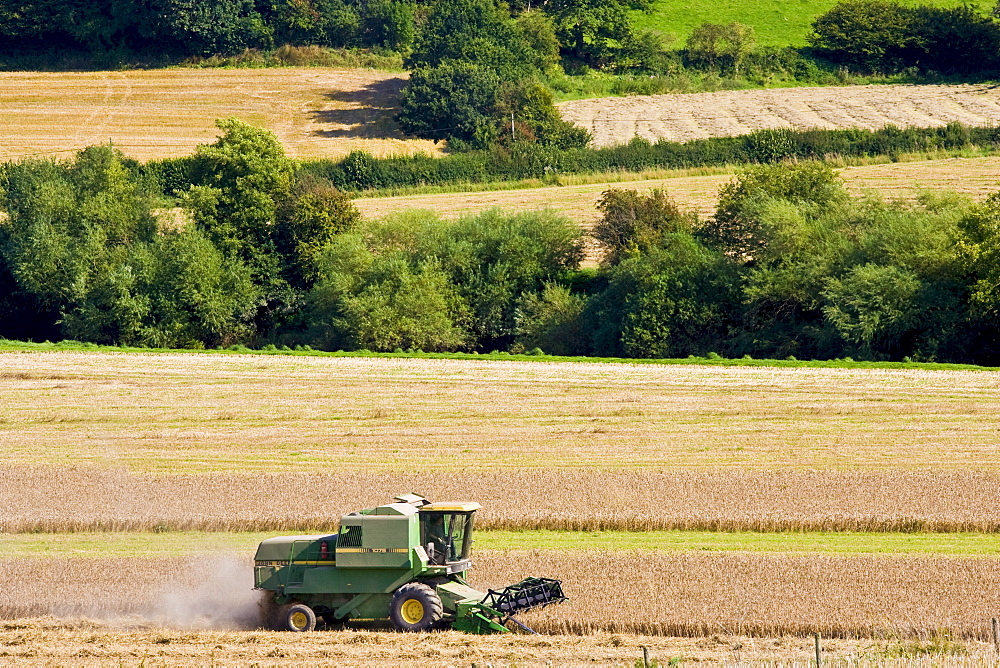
column 405, row 561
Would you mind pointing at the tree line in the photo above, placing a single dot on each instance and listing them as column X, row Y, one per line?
column 360, row 171
column 477, row 68
column 259, row 251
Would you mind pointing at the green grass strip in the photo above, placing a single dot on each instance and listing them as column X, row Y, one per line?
column 77, row 346
column 184, row 543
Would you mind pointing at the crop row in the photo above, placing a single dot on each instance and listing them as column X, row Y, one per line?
column 681, row 594
column 62, row 499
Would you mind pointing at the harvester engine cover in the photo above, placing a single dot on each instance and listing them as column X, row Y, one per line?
column 405, row 561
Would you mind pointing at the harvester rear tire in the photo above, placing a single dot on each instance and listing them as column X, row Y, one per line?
column 416, row 607
column 297, row 617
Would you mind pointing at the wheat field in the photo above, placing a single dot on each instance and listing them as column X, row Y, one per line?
column 102, row 441
column 47, row 641
column 681, row 594
column 58, row 499
column 191, row 413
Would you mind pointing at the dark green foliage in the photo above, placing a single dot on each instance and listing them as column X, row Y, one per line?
column 203, row 27
column 495, row 258
column 83, row 247
column 719, row 46
column 384, row 299
column 530, row 106
column 472, row 273
column 308, row 220
column 593, row 32
column 539, row 33
column 525, row 160
column 456, row 100
column 249, row 201
column 632, row 223
column 240, row 181
column 789, row 265
column 188, row 27
column 885, row 36
column 736, row 226
column 197, row 296
column 672, row 301
column 387, row 24
column 304, row 22
column 867, row 34
column 473, row 81
column 474, row 32
column 73, row 242
column 552, row 320
column 122, row 31
column 873, row 306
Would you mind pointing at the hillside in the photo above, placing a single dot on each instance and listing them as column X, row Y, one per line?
column 775, row 24
column 976, row 177
column 683, row 117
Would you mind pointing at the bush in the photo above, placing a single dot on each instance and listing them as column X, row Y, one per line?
column 675, row 300
column 452, row 101
column 633, row 223
column 885, row 36
column 551, row 320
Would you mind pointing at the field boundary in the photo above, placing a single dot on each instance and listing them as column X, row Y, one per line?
column 8, row 346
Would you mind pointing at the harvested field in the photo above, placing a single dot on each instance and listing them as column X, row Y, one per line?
column 316, row 112
column 682, row 117
column 685, row 594
column 227, row 442
column 93, row 643
column 175, row 413
column 976, row 177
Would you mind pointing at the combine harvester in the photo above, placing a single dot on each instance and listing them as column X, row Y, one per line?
column 405, row 561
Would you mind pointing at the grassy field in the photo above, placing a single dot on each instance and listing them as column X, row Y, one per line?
column 774, row 23
column 133, row 544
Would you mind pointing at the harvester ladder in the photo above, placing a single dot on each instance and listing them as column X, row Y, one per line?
column 295, row 572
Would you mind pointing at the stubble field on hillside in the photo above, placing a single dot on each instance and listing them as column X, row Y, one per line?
column 316, row 112
column 975, row 177
column 683, row 117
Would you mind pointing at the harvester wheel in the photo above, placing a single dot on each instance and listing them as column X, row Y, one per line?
column 297, row 617
column 416, row 607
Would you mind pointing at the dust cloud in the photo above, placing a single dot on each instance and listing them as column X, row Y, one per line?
column 199, row 593
column 223, row 600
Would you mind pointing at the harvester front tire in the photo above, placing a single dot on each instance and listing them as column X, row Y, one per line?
column 416, row 607
column 298, row 617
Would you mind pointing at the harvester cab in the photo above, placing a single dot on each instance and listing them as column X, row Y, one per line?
column 405, row 561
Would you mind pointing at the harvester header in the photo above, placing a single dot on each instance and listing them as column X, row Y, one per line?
column 405, row 561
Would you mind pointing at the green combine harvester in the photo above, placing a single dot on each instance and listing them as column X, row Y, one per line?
column 405, row 561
